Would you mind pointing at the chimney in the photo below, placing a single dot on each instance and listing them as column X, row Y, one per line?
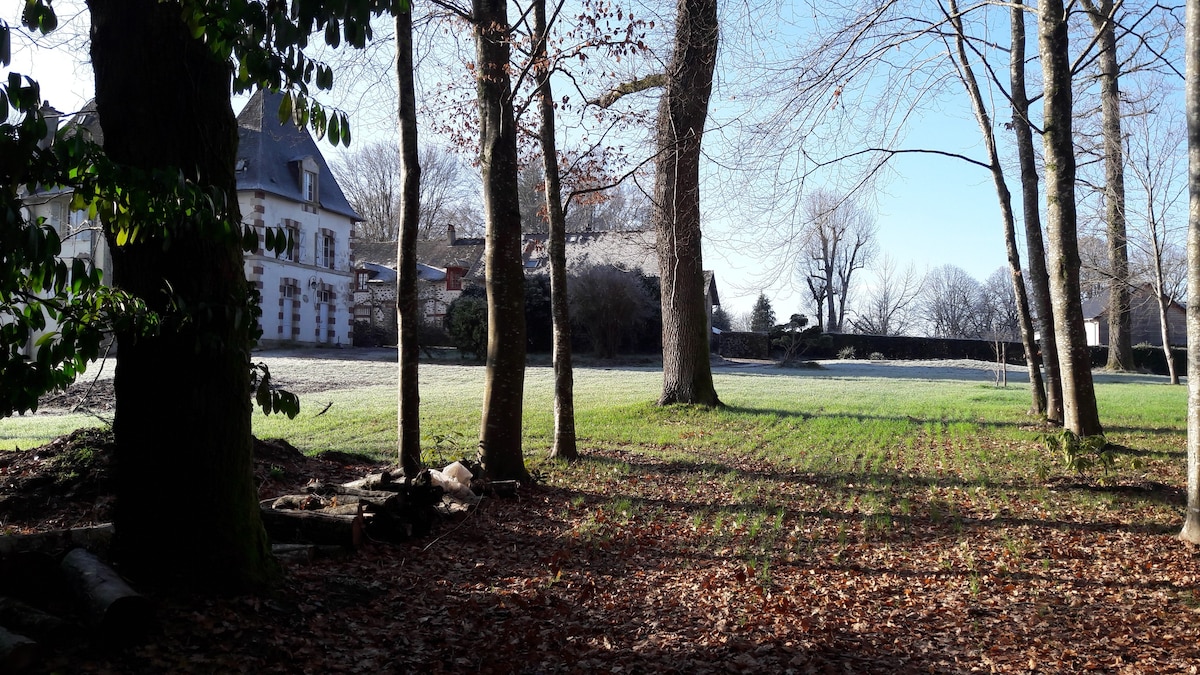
column 450, row 234
column 52, row 117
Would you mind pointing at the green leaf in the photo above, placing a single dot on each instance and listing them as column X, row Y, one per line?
column 335, row 130
column 285, row 109
column 333, row 35
column 345, row 130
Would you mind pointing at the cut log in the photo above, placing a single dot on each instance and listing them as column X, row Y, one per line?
column 313, row 527
column 114, row 608
column 17, row 652
column 344, row 509
column 95, row 538
column 503, row 488
column 341, row 491
column 302, row 502
column 29, row 620
column 376, row 481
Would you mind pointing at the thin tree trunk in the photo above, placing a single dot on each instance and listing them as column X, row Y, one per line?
column 1039, row 282
column 1191, row 523
column 564, row 380
column 1080, row 414
column 682, row 112
column 183, row 396
column 500, row 429
column 1120, row 319
column 1037, row 389
column 408, row 313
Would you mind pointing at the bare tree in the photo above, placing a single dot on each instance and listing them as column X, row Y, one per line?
column 1154, row 161
column 888, row 308
column 838, row 241
column 370, row 177
column 952, row 303
column 1039, row 278
column 1000, row 318
column 682, row 112
column 1080, row 414
column 500, row 433
column 408, row 311
column 564, row 446
column 1120, row 344
column 1191, row 524
column 1020, row 302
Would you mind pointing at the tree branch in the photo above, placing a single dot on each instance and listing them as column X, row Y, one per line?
column 626, row 88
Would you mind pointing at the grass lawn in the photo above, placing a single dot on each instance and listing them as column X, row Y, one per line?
column 879, row 524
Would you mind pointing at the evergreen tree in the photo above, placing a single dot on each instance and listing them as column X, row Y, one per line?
column 762, row 317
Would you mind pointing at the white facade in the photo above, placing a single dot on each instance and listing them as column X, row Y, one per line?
column 307, row 294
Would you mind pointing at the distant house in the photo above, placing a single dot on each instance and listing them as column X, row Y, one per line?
column 284, row 182
column 81, row 238
column 445, row 268
column 1146, row 328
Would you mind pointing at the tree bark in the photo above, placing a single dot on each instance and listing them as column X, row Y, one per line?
column 1039, row 282
column 564, row 446
column 1191, row 523
column 1008, row 219
column 1120, row 318
column 687, row 372
column 407, row 310
column 1079, row 397
column 183, row 395
column 500, row 433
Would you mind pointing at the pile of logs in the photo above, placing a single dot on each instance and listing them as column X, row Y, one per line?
column 382, row 506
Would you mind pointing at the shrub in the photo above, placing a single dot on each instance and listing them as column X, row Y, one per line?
column 876, row 356
column 608, row 303
column 466, row 322
column 367, row 335
column 846, row 352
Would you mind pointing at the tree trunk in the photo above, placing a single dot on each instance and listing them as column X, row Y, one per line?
column 1079, row 397
column 687, row 372
column 183, row 395
column 1120, row 319
column 1039, row 282
column 564, row 379
column 1191, row 523
column 500, row 433
column 1037, row 389
column 408, row 312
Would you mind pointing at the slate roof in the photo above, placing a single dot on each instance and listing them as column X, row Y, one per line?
column 268, row 150
column 466, row 252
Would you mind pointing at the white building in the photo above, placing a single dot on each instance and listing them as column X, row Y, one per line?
column 283, row 182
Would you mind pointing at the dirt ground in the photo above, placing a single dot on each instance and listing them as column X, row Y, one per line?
column 552, row 582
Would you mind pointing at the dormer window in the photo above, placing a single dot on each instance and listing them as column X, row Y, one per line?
column 361, row 279
column 310, row 186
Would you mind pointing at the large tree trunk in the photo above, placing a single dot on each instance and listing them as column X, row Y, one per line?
column 564, row 379
column 183, row 396
column 1191, row 523
column 1079, row 397
column 407, row 302
column 1037, row 389
column 500, row 433
column 1120, row 319
column 1039, row 282
column 687, row 372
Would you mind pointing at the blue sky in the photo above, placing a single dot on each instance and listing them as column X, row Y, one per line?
column 931, row 210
